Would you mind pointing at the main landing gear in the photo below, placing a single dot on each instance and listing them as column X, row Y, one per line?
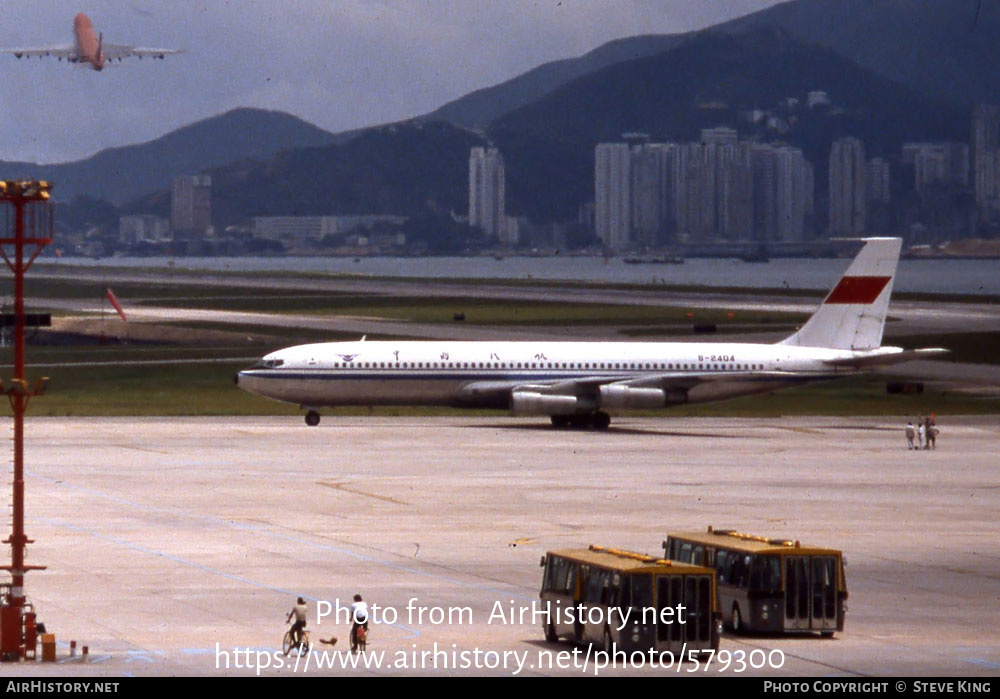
column 312, row 418
column 597, row 421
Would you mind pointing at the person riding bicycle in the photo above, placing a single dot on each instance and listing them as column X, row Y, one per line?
column 299, row 612
column 359, row 617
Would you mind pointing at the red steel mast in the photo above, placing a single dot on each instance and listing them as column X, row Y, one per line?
column 21, row 198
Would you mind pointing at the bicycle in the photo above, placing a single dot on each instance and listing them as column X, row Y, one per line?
column 359, row 639
column 288, row 643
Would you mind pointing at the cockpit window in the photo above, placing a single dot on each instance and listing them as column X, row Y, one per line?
column 268, row 364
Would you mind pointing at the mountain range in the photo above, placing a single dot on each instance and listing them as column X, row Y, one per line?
column 126, row 173
column 894, row 70
column 943, row 48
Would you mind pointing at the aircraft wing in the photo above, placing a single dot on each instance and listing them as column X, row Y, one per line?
column 685, row 381
column 880, row 357
column 67, row 51
column 116, row 52
column 669, row 382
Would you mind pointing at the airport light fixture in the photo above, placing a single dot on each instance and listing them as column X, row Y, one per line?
column 26, row 223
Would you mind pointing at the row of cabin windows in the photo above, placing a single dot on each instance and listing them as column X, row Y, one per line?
column 670, row 366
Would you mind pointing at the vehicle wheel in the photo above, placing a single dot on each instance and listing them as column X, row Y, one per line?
column 550, row 633
column 560, row 421
column 601, row 420
column 826, row 634
column 304, row 643
column 312, row 418
column 286, row 643
column 737, row 620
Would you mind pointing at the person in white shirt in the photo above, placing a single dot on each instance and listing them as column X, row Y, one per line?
column 359, row 617
column 299, row 612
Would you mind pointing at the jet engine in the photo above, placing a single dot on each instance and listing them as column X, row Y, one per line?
column 532, row 403
column 616, row 397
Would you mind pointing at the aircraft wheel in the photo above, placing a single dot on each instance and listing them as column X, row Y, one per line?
column 601, row 420
column 579, row 421
column 312, row 418
column 560, row 421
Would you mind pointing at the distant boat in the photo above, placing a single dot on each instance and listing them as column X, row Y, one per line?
column 658, row 260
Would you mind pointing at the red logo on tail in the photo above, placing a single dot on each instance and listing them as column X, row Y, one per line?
column 859, row 290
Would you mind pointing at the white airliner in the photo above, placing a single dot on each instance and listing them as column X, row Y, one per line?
column 89, row 48
column 577, row 384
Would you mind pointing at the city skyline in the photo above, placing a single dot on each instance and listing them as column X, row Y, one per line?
column 716, row 189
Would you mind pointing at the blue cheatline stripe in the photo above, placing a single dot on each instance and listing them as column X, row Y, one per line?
column 355, row 375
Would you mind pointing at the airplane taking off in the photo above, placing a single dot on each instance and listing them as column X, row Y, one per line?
column 576, row 384
column 89, row 48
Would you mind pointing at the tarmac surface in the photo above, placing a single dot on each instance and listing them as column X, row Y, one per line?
column 176, row 546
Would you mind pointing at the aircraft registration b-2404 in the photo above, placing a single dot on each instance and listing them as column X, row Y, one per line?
column 578, row 384
column 89, row 48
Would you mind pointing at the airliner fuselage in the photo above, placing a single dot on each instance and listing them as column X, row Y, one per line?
column 88, row 48
column 532, row 378
column 578, row 383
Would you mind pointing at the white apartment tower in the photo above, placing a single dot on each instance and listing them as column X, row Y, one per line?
column 793, row 185
column 612, row 194
column 878, row 180
column 986, row 155
column 847, row 187
column 652, row 189
column 191, row 205
column 486, row 191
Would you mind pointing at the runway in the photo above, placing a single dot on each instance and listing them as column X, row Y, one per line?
column 173, row 545
column 905, row 317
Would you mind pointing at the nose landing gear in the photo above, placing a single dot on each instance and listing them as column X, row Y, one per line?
column 312, row 418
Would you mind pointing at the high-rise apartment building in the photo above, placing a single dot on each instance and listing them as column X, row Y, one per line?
column 487, row 191
column 713, row 190
column 793, row 185
column 877, row 180
column 191, row 206
column 612, row 194
column 942, row 163
column 649, row 164
column 986, row 155
column 734, row 192
column 764, row 160
column 847, row 187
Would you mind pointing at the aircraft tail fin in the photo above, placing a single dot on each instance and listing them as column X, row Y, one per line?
column 853, row 314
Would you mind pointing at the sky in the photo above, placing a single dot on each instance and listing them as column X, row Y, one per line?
column 339, row 64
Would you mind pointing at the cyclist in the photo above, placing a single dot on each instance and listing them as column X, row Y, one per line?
column 299, row 612
column 359, row 619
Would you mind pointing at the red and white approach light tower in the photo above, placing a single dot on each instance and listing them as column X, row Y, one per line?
column 26, row 226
